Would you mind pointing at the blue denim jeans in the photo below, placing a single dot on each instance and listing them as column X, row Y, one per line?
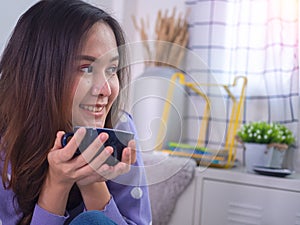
column 92, row 218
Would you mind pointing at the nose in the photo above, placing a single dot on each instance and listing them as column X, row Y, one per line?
column 101, row 86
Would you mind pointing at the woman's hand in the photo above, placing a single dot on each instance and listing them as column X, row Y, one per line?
column 85, row 169
column 62, row 174
column 63, row 170
column 94, row 191
column 98, row 170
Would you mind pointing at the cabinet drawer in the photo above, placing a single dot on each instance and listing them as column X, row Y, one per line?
column 240, row 204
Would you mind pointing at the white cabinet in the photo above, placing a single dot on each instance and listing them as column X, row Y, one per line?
column 234, row 197
column 231, row 203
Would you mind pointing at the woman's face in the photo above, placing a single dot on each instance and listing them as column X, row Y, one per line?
column 97, row 83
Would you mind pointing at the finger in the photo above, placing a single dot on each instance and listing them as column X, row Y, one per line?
column 126, row 156
column 132, row 146
column 88, row 174
column 129, row 153
column 106, row 171
column 57, row 142
column 98, row 161
column 74, row 143
column 91, row 151
column 113, row 172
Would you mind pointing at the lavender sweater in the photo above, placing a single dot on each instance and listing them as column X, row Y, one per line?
column 129, row 203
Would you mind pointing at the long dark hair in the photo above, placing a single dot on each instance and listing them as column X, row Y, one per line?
column 35, row 85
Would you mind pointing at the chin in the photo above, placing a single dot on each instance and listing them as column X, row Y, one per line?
column 94, row 123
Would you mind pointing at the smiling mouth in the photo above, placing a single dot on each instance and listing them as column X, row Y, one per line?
column 94, row 109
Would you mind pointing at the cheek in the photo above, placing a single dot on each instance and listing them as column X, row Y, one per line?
column 115, row 88
column 80, row 89
column 74, row 90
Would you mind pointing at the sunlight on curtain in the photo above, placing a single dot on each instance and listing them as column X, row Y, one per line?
column 255, row 38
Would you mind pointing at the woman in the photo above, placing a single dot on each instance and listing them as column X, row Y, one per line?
column 63, row 66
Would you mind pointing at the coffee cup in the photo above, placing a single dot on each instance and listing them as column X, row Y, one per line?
column 118, row 140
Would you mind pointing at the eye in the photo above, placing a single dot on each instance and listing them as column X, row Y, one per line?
column 111, row 70
column 86, row 68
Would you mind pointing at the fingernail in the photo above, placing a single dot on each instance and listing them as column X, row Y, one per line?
column 109, row 150
column 81, row 130
column 128, row 152
column 103, row 137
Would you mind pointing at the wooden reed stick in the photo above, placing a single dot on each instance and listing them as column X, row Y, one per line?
column 172, row 34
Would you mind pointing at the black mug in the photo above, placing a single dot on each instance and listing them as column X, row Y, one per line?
column 118, row 140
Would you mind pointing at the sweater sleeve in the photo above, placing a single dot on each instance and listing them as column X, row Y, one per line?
column 130, row 191
column 9, row 213
column 129, row 203
column 43, row 217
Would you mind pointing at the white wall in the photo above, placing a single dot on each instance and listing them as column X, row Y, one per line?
column 121, row 9
column 11, row 10
column 145, row 9
column 9, row 13
column 142, row 9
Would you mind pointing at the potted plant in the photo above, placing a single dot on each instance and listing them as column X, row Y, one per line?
column 265, row 143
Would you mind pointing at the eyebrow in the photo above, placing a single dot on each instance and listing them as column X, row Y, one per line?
column 93, row 59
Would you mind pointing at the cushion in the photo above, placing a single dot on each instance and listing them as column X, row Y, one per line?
column 168, row 176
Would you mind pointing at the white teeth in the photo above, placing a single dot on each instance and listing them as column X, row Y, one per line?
column 92, row 108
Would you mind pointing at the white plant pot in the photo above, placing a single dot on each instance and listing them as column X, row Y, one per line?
column 274, row 158
column 261, row 155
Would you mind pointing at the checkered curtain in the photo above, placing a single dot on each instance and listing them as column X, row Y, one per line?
column 254, row 38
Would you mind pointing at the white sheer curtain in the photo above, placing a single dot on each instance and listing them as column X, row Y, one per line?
column 258, row 39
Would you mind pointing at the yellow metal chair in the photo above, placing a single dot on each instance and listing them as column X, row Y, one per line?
column 225, row 157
